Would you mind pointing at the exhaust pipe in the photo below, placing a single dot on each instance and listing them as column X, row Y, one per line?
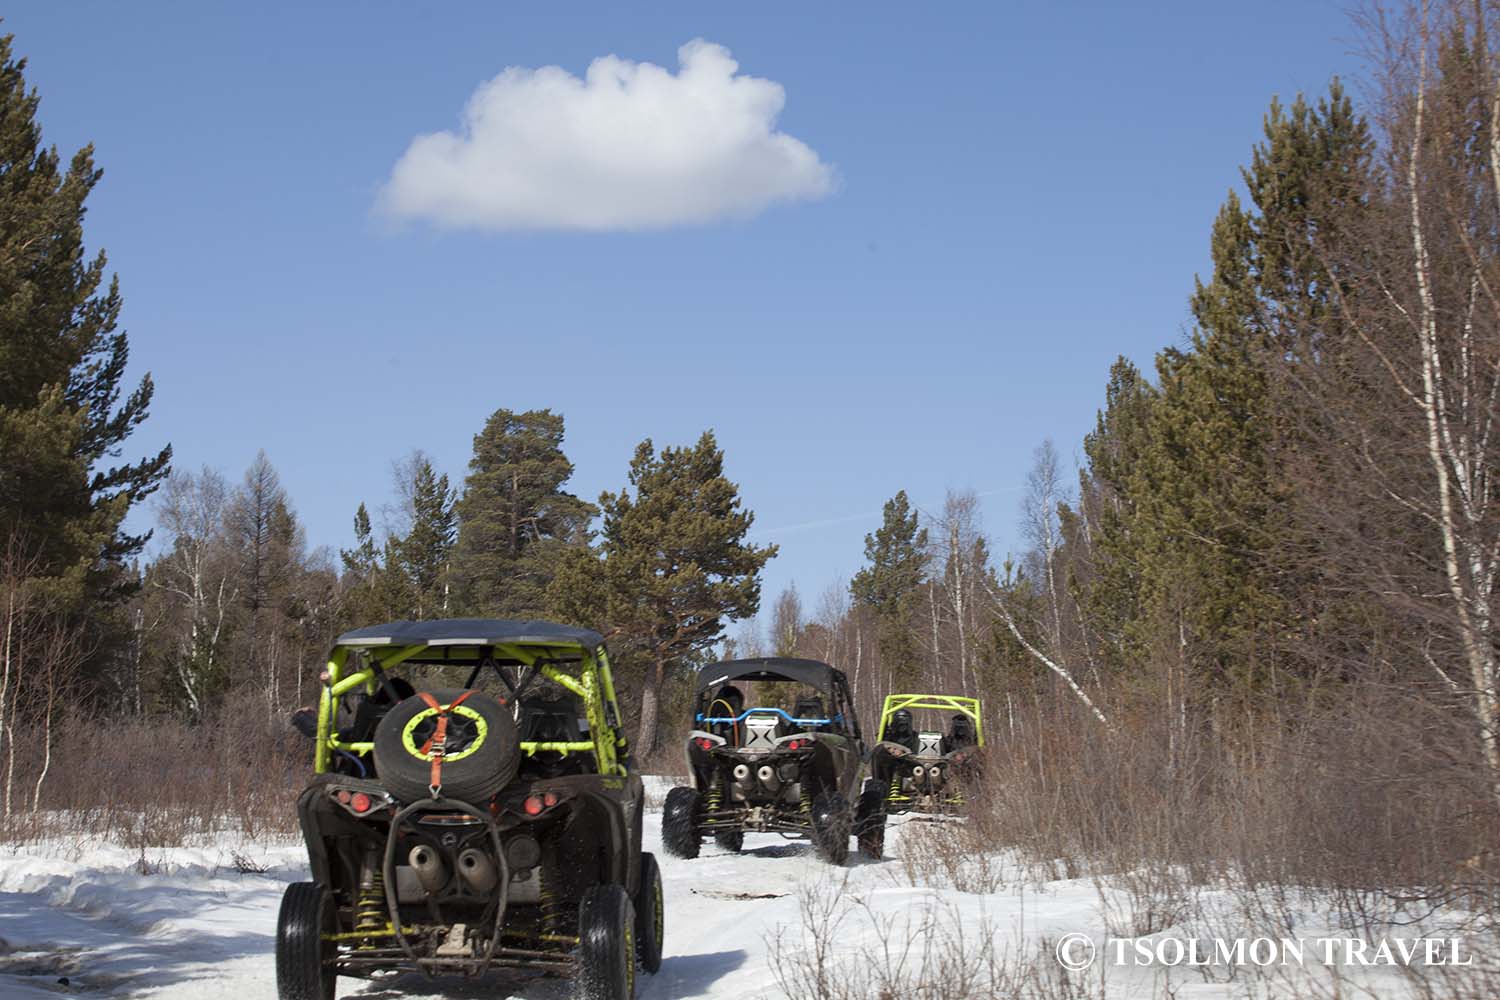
column 916, row 772
column 429, row 867
column 476, row 868
column 767, row 775
column 936, row 774
column 741, row 772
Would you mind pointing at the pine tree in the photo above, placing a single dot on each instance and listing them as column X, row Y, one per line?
column 1106, row 533
column 62, row 364
column 408, row 576
column 425, row 553
column 362, row 562
column 1192, row 501
column 671, row 568
column 889, row 586
column 514, row 516
column 264, row 532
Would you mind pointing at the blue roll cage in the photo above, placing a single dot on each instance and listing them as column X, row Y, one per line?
column 769, row 711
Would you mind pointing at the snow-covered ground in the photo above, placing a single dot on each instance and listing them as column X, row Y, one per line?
column 193, row 925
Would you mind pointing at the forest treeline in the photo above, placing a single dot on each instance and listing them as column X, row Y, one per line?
column 1282, row 536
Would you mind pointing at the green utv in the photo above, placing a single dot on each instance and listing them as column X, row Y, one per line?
column 923, row 770
column 471, row 809
column 765, row 769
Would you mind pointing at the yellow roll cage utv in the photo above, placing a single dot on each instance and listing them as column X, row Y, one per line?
column 358, row 662
column 941, row 702
column 897, row 800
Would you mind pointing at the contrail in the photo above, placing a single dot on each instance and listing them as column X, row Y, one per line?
column 858, row 517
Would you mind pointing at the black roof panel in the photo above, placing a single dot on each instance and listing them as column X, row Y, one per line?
column 768, row 668
column 470, row 632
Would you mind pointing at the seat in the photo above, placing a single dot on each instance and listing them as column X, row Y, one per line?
column 727, row 704
column 809, row 707
column 545, row 721
column 960, row 734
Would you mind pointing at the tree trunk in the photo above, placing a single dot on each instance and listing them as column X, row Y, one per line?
column 10, row 753
column 937, row 658
column 1473, row 615
column 36, row 792
column 645, row 740
column 1046, row 661
column 9, row 646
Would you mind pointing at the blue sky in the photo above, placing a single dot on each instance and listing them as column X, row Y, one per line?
column 1023, row 193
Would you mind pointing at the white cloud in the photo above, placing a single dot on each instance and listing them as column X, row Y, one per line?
column 629, row 146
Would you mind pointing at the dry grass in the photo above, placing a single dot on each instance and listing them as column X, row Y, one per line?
column 956, row 855
column 845, row 949
column 1369, row 814
column 1364, row 800
column 161, row 783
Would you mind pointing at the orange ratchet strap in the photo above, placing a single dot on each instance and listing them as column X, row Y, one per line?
column 437, row 744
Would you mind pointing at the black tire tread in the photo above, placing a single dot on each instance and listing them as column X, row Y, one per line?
column 606, row 952
column 649, row 907
column 830, row 817
column 679, row 822
column 300, row 974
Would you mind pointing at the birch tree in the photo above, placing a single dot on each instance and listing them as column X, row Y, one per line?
column 1407, row 368
column 198, row 570
column 961, row 558
column 1039, row 508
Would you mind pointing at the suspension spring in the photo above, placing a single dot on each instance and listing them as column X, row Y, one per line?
column 370, row 914
column 551, row 907
column 806, row 799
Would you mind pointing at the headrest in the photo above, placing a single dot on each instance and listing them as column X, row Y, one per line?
column 810, row 707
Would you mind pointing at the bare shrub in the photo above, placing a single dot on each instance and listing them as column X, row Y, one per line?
column 845, row 948
column 159, row 782
column 1365, row 790
column 1144, row 900
column 1481, row 981
column 144, row 866
column 962, row 856
column 246, row 865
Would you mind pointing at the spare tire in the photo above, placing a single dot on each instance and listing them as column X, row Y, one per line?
column 481, row 751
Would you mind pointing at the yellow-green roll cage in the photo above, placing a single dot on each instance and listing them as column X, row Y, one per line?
column 594, row 685
column 942, row 702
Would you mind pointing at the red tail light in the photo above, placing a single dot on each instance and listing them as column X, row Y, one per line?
column 359, row 802
column 704, row 743
column 533, row 805
column 798, row 744
column 549, row 799
column 343, row 796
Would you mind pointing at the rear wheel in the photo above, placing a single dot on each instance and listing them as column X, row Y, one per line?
column 730, row 840
column 650, row 911
column 869, row 820
column 830, row 820
column 679, row 822
column 302, row 972
column 606, row 944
